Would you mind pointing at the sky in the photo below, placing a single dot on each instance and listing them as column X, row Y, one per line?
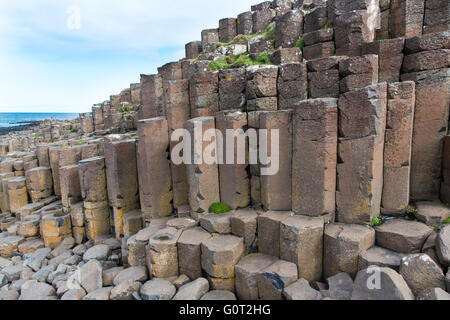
column 65, row 56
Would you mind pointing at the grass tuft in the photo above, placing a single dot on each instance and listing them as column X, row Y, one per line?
column 239, row 60
column 376, row 221
column 219, row 207
column 300, row 43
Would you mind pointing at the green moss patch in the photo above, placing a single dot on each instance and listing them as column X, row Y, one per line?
column 239, row 60
column 219, row 207
column 376, row 221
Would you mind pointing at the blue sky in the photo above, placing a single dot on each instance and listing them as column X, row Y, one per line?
column 48, row 64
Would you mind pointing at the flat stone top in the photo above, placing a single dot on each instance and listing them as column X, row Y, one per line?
column 245, row 214
column 11, row 239
column 255, row 262
column 93, row 159
column 303, row 222
column 281, row 268
column 223, row 243
column 182, row 223
column 39, row 169
column 153, row 119
column 194, row 236
column 276, row 215
column 201, row 119
column 166, row 236
column 382, row 255
column 352, row 232
column 404, row 227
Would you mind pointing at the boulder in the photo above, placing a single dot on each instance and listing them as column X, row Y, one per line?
column 74, row 294
column 90, row 276
column 125, row 290
column 421, row 272
column 138, row 273
column 99, row 294
column 433, row 294
column 443, row 245
column 219, row 295
column 158, row 289
column 301, row 290
column 98, row 252
column 380, row 284
column 33, row 290
column 193, row 290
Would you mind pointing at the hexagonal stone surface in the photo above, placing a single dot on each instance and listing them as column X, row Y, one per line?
column 193, row 290
column 342, row 245
column 301, row 290
column 402, row 236
column 421, row 272
column 340, row 286
column 158, row 289
column 381, row 257
column 189, row 251
column 216, row 223
column 219, row 295
column 391, row 285
column 273, row 279
column 220, row 254
column 247, row 270
column 182, row 223
column 243, row 224
column 443, row 245
column 432, row 212
column 138, row 273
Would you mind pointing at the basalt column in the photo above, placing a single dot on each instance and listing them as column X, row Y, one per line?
column 362, row 122
column 93, row 191
column 397, row 147
column 234, row 177
column 155, row 179
column 276, row 169
column 314, row 157
column 202, row 172
column 122, row 181
column 426, row 63
column 178, row 112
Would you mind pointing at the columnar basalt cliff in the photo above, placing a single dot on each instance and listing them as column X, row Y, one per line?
column 97, row 208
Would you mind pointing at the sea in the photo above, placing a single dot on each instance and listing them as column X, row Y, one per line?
column 12, row 119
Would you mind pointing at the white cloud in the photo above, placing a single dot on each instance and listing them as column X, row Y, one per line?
column 46, row 65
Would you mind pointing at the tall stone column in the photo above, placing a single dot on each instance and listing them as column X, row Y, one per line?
column 155, row 179
column 203, row 178
column 93, row 191
column 397, row 147
column 362, row 123
column 276, row 186
column 122, row 181
column 314, row 156
column 234, row 178
column 178, row 112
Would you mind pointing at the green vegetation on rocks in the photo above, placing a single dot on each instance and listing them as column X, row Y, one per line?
column 376, row 221
column 219, row 207
column 239, row 60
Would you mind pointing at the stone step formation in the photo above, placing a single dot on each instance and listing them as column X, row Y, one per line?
column 95, row 208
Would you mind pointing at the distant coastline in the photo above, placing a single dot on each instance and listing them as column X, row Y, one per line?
column 18, row 121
